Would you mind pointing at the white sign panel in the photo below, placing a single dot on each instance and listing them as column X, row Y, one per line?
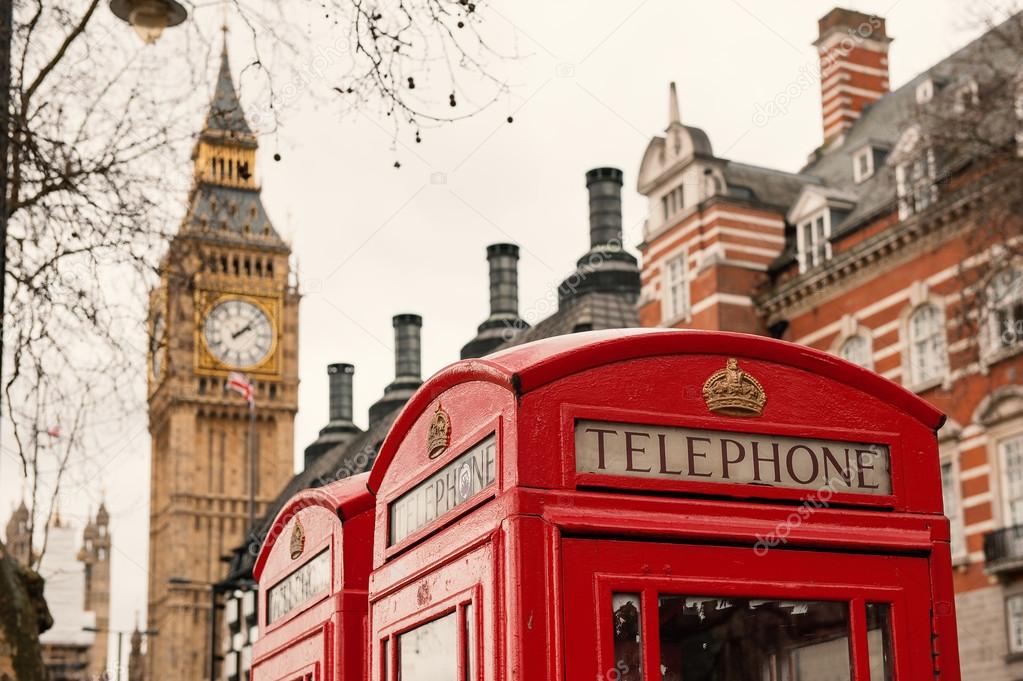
column 305, row 583
column 691, row 455
column 442, row 492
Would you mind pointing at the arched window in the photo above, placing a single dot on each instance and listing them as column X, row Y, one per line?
column 928, row 356
column 1005, row 305
column 856, row 349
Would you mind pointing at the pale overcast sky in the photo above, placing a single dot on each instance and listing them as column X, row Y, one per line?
column 372, row 241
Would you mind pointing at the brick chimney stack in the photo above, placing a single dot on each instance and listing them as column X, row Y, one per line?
column 853, row 51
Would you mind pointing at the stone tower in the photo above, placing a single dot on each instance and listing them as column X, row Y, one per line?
column 95, row 553
column 17, row 535
column 136, row 659
column 225, row 303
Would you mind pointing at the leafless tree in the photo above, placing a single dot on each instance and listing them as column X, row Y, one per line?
column 99, row 129
column 973, row 129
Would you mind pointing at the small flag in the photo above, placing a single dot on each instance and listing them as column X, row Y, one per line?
column 241, row 385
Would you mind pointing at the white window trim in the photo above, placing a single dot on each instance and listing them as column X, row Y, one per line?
column 925, row 91
column 672, row 315
column 801, row 245
column 905, row 330
column 902, row 188
column 950, row 456
column 862, row 334
column 858, row 176
column 990, row 345
column 1008, row 624
column 1004, row 511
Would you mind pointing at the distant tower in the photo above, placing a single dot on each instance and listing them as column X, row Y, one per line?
column 18, row 537
column 95, row 553
column 136, row 661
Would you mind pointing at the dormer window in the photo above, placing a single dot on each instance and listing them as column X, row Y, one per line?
column 812, row 240
column 863, row 164
column 925, row 91
column 915, row 183
column 673, row 202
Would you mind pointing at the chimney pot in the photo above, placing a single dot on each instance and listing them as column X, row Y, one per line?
column 407, row 347
column 605, row 189
column 340, row 377
column 504, row 279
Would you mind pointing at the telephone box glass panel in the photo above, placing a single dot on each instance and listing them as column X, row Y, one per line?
column 430, row 651
column 724, row 639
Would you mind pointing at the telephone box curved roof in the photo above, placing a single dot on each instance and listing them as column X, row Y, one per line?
column 526, row 367
column 347, row 498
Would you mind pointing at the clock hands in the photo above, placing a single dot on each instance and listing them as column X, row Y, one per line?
column 242, row 330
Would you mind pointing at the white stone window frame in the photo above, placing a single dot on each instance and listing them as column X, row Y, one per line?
column 924, row 91
column 673, row 201
column 868, row 172
column 916, row 194
column 1000, row 416
column 850, row 330
column 950, row 458
column 668, row 316
column 1005, row 502
column 804, row 253
column 1014, row 611
column 992, row 348
column 867, row 341
column 919, row 297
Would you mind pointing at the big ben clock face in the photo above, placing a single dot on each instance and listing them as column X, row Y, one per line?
column 238, row 333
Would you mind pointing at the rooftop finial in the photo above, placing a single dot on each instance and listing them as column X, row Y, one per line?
column 674, row 117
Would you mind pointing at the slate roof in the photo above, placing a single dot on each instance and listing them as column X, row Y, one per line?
column 589, row 312
column 230, row 212
column 357, row 456
column 764, row 185
column 883, row 122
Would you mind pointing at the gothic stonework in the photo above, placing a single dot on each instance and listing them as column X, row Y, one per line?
column 225, row 303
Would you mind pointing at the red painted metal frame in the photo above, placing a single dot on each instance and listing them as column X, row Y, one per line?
column 511, row 545
column 328, row 632
column 595, row 570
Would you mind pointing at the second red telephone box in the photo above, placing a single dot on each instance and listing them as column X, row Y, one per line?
column 312, row 571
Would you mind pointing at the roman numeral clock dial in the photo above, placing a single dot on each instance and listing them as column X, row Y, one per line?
column 238, row 333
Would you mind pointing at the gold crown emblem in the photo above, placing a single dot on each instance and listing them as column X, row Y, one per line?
column 733, row 392
column 297, row 540
column 440, row 433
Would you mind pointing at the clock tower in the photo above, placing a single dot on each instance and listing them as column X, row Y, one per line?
column 225, row 303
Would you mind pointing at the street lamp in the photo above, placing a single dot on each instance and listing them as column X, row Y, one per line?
column 120, row 638
column 149, row 17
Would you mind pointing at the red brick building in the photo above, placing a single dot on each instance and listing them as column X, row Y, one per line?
column 867, row 252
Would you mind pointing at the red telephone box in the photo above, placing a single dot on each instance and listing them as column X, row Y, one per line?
column 312, row 572
column 686, row 506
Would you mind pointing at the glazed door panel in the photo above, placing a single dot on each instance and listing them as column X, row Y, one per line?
column 670, row 612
